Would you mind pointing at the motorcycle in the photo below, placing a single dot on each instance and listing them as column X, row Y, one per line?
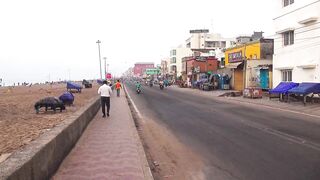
column 138, row 90
column 161, row 86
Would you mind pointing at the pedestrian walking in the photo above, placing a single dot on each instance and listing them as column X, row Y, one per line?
column 118, row 87
column 105, row 93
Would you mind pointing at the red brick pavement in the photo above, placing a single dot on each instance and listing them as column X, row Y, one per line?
column 108, row 149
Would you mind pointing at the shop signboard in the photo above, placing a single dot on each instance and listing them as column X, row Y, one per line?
column 235, row 56
column 152, row 71
column 199, row 31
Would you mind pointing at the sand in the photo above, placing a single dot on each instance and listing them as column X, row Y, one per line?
column 19, row 123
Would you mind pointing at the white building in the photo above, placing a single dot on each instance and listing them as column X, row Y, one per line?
column 297, row 43
column 176, row 55
column 202, row 41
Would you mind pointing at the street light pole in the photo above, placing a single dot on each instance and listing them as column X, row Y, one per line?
column 98, row 42
column 105, row 67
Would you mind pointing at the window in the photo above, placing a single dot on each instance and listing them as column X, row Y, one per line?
column 286, row 75
column 288, row 38
column 287, row 2
column 173, row 52
column 173, row 60
column 222, row 63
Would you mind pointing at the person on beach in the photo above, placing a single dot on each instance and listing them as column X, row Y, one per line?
column 105, row 93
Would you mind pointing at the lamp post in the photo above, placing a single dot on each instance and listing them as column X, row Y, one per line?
column 105, row 67
column 98, row 42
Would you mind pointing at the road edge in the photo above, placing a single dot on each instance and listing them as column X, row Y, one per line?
column 143, row 157
column 235, row 101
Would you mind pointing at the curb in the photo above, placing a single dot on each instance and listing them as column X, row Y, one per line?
column 269, row 106
column 42, row 157
column 273, row 107
column 135, row 114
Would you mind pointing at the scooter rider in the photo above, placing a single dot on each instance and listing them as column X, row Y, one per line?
column 161, row 84
column 138, row 86
column 150, row 83
column 166, row 83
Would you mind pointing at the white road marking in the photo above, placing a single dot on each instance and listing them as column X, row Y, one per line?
column 134, row 105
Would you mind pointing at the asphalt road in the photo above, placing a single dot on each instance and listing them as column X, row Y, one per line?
column 237, row 141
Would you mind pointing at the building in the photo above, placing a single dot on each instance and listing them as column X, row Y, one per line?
column 251, row 64
column 165, row 67
column 297, row 41
column 128, row 72
column 140, row 68
column 201, row 41
column 175, row 63
column 245, row 38
column 195, row 67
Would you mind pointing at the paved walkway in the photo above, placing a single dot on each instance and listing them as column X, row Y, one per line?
column 310, row 109
column 110, row 148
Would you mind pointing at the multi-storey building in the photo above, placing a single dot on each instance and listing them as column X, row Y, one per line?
column 199, row 44
column 203, row 42
column 297, row 41
column 140, row 68
column 165, row 67
column 175, row 63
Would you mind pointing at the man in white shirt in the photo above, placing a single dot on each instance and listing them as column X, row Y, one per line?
column 105, row 93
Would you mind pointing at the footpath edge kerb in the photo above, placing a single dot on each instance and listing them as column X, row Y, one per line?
column 134, row 114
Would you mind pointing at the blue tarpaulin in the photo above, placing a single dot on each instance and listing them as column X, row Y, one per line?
column 71, row 85
column 283, row 88
column 67, row 98
column 306, row 88
column 99, row 81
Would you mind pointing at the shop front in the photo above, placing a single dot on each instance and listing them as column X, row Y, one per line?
column 198, row 68
column 251, row 64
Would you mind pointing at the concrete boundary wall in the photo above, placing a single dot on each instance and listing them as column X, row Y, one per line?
column 42, row 157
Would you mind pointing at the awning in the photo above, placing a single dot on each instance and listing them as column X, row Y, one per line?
column 308, row 20
column 233, row 65
column 307, row 66
column 285, row 30
column 284, row 68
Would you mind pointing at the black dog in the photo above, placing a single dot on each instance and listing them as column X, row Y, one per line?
column 51, row 102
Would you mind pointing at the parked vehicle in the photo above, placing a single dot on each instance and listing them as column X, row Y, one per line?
column 86, row 84
column 74, row 87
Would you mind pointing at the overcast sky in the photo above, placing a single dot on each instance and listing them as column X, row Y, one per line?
column 44, row 40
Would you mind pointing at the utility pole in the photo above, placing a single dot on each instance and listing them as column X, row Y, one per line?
column 98, row 42
column 105, row 67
